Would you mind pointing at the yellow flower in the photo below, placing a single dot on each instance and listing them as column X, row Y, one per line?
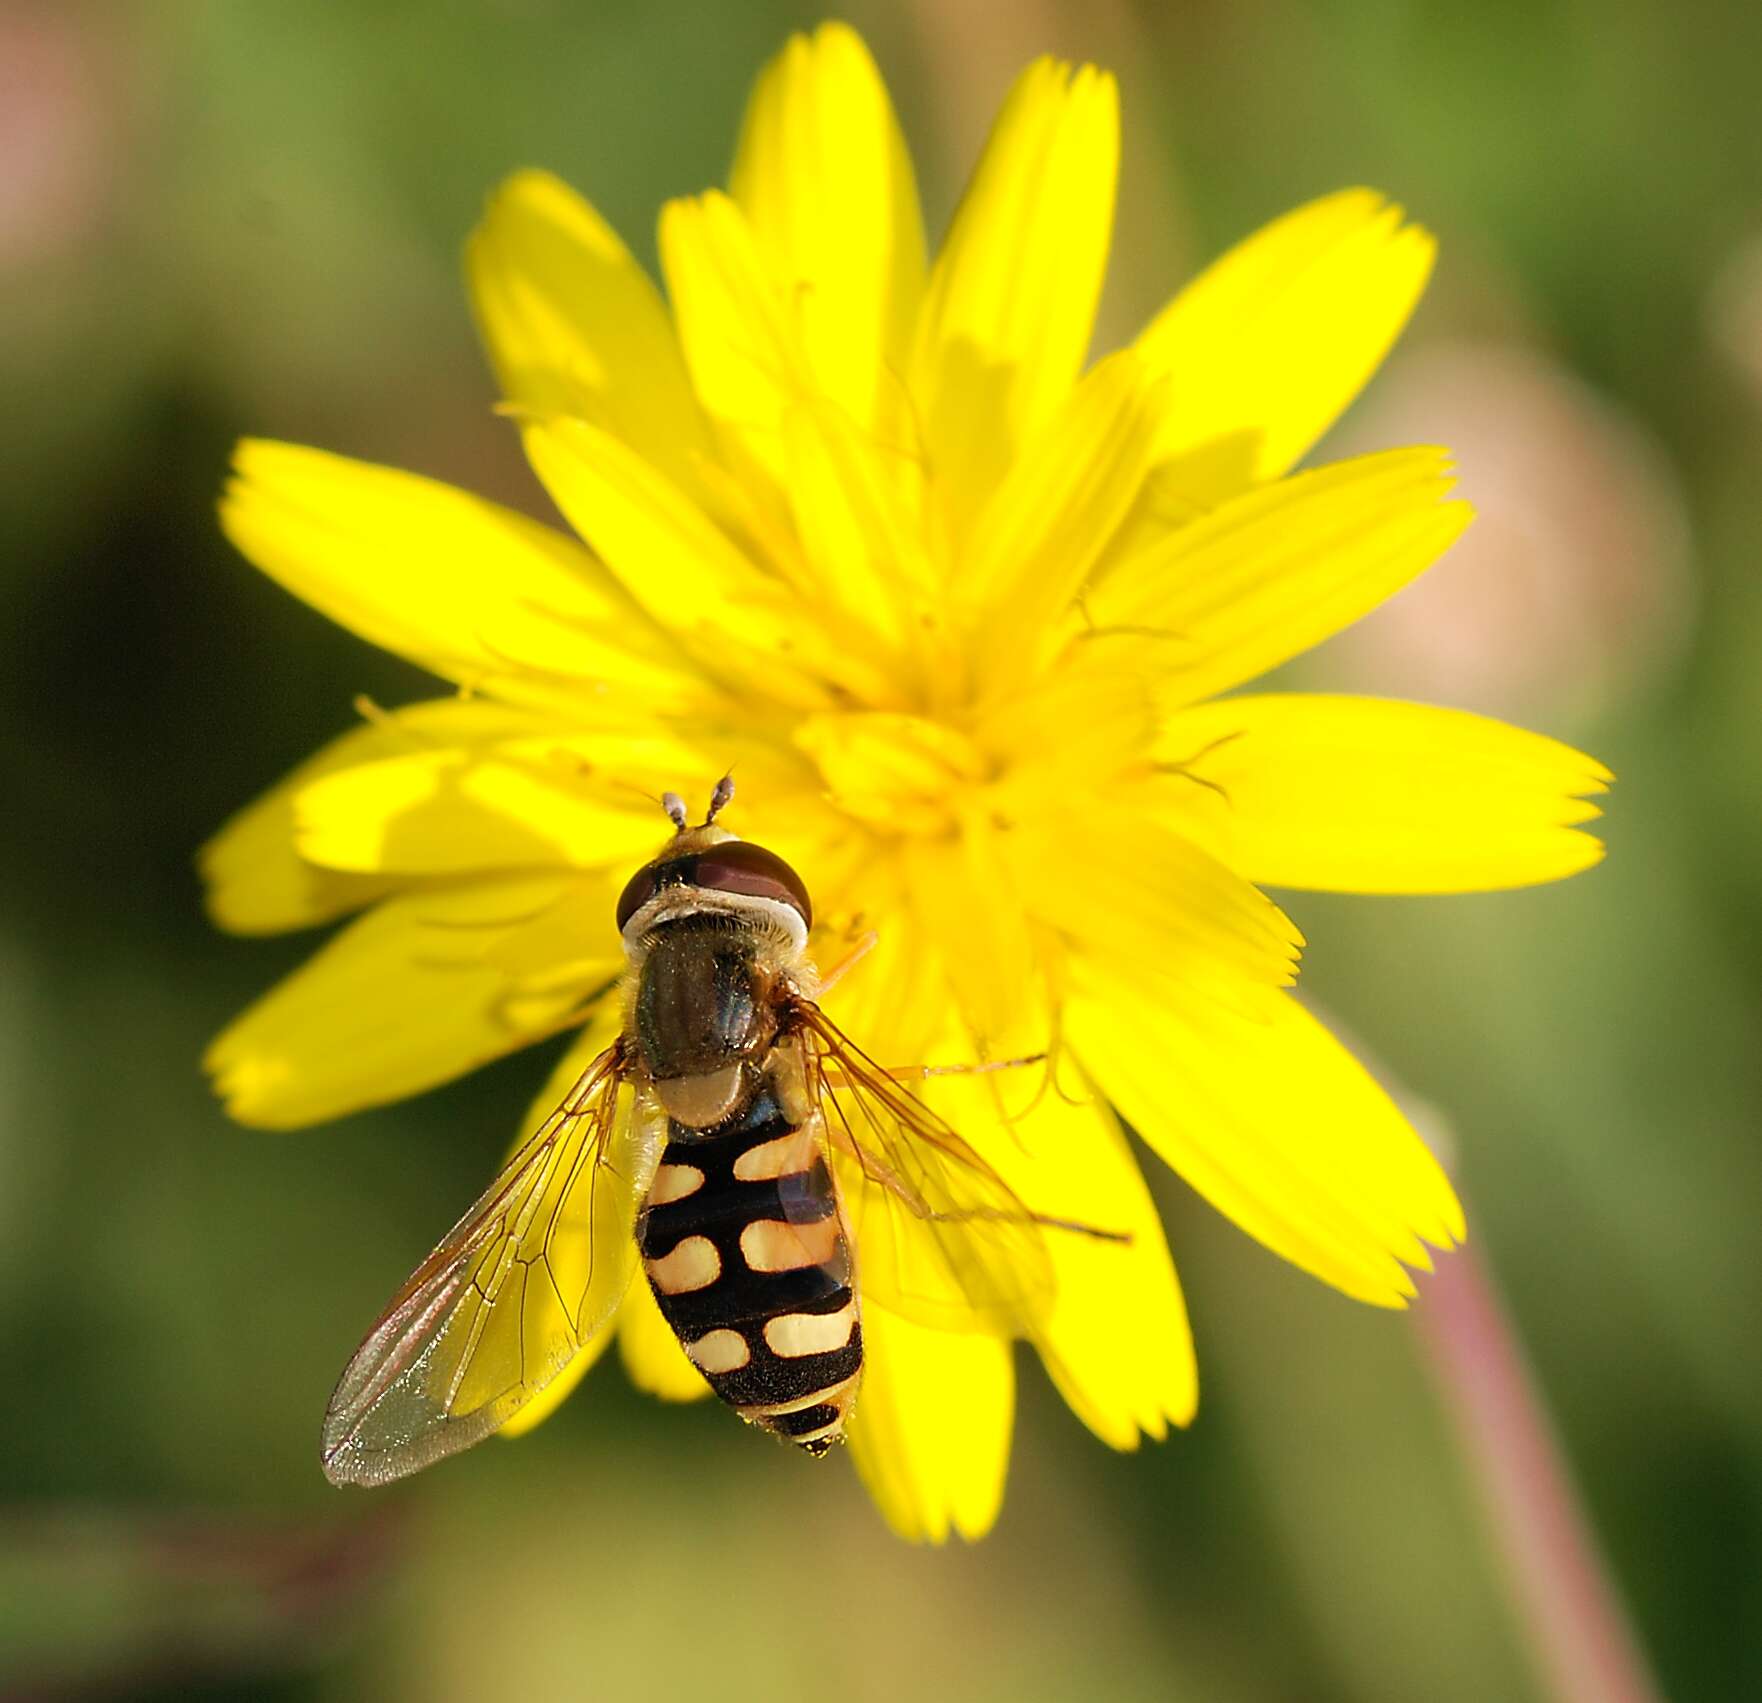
column 957, row 609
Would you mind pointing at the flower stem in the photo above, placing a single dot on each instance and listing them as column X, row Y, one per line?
column 1560, row 1585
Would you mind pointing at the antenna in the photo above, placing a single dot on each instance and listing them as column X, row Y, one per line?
column 674, row 805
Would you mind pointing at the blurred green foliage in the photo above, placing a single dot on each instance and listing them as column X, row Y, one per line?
column 219, row 219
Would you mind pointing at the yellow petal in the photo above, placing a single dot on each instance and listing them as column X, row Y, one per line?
column 930, row 1435
column 894, row 1000
column 1270, row 343
column 651, row 1352
column 1147, row 903
column 1050, row 519
column 541, row 1406
column 471, row 591
column 408, row 996
column 824, row 179
column 791, row 452
column 1116, row 1342
column 587, row 799
column 897, row 771
column 1011, row 302
column 746, row 360
column 1085, row 727
column 857, row 513
column 966, row 905
column 1369, row 796
column 1271, row 573
column 740, row 625
column 1274, row 1123
column 595, row 1037
column 573, row 324
column 257, row 881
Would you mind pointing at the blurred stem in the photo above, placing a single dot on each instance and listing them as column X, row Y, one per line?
column 1561, row 1587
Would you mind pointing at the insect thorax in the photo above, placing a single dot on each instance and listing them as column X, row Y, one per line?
column 705, row 1011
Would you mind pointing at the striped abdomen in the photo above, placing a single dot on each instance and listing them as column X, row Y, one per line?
column 745, row 1251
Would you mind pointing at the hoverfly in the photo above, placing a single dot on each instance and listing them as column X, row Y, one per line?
column 737, row 1146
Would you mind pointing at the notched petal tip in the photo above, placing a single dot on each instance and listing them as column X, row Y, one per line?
column 247, row 1087
column 257, row 461
column 1008, row 317
column 1579, row 853
column 1376, row 795
column 253, row 461
column 1274, row 340
column 247, row 450
column 1362, row 205
column 830, row 44
column 1050, row 78
column 525, row 183
column 1279, row 1127
column 570, row 320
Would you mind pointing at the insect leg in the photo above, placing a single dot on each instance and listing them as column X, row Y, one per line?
column 865, row 944
column 835, row 1078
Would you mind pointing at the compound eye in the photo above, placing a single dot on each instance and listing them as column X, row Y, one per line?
column 638, row 890
column 738, row 866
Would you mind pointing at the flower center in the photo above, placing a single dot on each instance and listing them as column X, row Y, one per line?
column 897, row 773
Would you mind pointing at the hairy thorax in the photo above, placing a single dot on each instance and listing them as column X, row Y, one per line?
column 703, row 1014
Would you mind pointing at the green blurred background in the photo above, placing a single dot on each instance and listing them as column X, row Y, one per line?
column 228, row 218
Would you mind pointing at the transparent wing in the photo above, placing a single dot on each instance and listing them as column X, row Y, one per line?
column 532, row 1272
column 941, row 1239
